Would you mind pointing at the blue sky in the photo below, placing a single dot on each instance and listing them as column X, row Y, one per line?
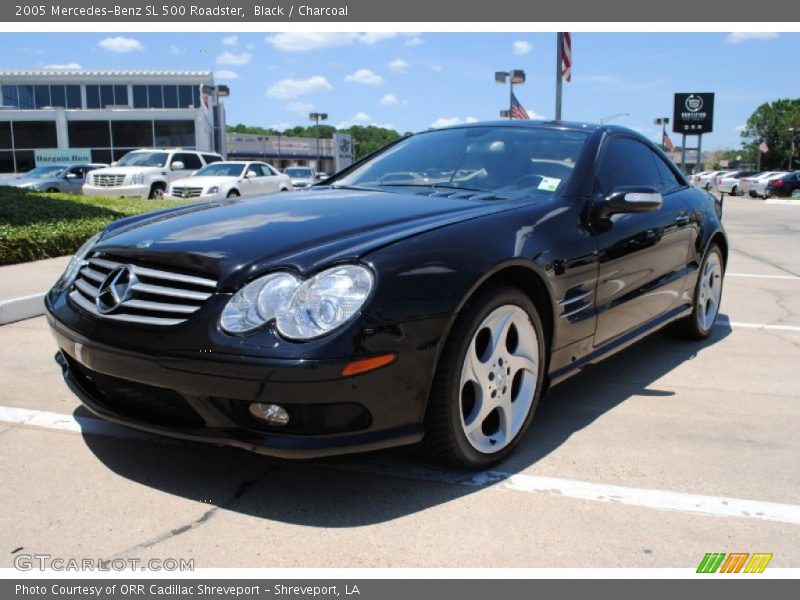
column 412, row 81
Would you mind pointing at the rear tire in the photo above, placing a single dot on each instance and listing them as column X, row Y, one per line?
column 157, row 191
column 233, row 194
column 735, row 191
column 706, row 299
column 488, row 381
column 53, row 190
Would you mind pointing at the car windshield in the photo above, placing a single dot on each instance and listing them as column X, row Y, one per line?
column 143, row 159
column 43, row 172
column 220, row 169
column 298, row 172
column 527, row 160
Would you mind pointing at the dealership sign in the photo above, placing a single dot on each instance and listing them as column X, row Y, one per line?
column 59, row 156
column 693, row 114
column 342, row 150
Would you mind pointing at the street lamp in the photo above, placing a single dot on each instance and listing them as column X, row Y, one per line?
column 513, row 76
column 791, row 151
column 663, row 121
column 317, row 117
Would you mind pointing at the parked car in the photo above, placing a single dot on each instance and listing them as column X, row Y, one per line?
column 756, row 186
column 379, row 310
column 728, row 183
column 146, row 173
column 67, row 178
column 705, row 179
column 302, row 177
column 225, row 179
column 784, row 186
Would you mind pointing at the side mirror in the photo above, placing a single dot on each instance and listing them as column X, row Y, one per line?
column 177, row 166
column 113, row 163
column 629, row 200
column 70, row 176
column 251, row 174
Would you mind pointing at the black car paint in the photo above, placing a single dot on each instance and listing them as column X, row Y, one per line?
column 430, row 255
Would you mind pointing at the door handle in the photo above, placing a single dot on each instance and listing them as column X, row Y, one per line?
column 682, row 220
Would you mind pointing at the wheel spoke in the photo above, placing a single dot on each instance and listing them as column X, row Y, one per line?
column 478, row 370
column 522, row 362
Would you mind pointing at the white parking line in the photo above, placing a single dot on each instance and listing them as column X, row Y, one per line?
column 789, row 277
column 716, row 506
column 765, row 326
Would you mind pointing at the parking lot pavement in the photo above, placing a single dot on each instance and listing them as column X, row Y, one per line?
column 700, row 440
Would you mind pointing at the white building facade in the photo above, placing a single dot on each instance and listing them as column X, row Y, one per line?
column 108, row 112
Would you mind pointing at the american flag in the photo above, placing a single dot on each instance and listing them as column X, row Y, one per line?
column 668, row 145
column 517, row 111
column 763, row 146
column 566, row 57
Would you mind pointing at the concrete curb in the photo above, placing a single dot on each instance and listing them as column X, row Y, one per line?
column 19, row 309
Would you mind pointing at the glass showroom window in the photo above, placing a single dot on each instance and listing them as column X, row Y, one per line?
column 166, row 96
column 40, row 96
column 18, row 140
column 174, row 133
column 103, row 96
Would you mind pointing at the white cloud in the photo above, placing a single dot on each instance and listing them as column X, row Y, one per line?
column 522, row 47
column 72, row 65
column 360, row 118
column 305, row 41
column 437, row 68
column 389, row 100
column 741, row 128
column 225, row 74
column 744, row 36
column 289, row 89
column 299, row 107
column 232, row 58
column 448, row 121
column 173, row 49
column 398, row 65
column 37, row 51
column 365, row 77
column 120, row 44
column 415, row 41
column 230, row 40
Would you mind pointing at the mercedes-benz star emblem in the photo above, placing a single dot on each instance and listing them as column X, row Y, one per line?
column 115, row 289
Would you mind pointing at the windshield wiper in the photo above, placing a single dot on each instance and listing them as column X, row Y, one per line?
column 435, row 186
column 360, row 188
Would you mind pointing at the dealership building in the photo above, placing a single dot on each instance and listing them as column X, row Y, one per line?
column 283, row 151
column 107, row 112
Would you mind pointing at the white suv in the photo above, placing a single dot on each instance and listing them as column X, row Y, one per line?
column 146, row 173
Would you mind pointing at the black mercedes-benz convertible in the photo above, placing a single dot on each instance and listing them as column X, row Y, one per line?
column 431, row 292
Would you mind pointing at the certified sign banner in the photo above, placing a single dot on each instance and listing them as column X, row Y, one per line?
column 693, row 114
column 61, row 156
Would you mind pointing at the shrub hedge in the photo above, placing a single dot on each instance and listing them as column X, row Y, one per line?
column 34, row 226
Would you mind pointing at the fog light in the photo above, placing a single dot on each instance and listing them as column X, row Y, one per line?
column 271, row 413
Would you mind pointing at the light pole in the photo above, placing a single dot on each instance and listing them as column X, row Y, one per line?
column 791, row 148
column 513, row 76
column 663, row 121
column 317, row 117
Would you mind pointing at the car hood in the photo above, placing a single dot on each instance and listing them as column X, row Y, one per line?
column 127, row 170
column 203, row 181
column 237, row 239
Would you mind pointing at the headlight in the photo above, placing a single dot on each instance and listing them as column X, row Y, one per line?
column 212, row 190
column 301, row 309
column 75, row 263
column 137, row 179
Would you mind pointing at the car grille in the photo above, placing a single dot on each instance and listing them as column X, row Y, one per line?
column 147, row 403
column 156, row 297
column 187, row 192
column 102, row 180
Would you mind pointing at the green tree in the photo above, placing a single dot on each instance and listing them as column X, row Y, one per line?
column 771, row 122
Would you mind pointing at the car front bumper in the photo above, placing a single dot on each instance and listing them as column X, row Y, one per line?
column 122, row 191
column 205, row 397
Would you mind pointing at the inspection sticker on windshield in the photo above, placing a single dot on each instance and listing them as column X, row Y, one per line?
column 549, row 184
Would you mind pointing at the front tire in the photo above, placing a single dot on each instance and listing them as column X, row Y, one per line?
column 488, row 381
column 707, row 297
column 157, row 191
column 233, row 194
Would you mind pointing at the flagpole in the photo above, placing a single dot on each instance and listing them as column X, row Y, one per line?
column 559, row 54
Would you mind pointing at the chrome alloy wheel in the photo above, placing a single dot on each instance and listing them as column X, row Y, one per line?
column 710, row 291
column 498, row 379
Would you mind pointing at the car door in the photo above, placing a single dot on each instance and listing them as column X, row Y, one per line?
column 272, row 179
column 74, row 184
column 642, row 256
column 191, row 163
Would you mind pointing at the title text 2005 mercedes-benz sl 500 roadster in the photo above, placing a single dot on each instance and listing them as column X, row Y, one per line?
column 430, row 293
